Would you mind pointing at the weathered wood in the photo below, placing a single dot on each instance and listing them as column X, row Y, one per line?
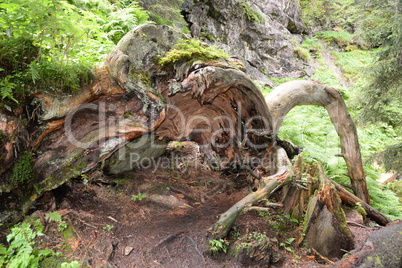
column 268, row 186
column 325, row 228
column 352, row 200
column 291, row 94
column 212, row 103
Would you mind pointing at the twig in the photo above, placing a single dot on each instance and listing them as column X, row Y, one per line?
column 113, row 219
column 166, row 240
column 196, row 248
column 268, row 208
column 362, row 226
column 301, row 181
column 322, row 257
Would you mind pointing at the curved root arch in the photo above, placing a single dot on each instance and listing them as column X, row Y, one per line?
column 291, row 94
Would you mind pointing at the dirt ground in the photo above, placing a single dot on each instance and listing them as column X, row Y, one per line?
column 160, row 216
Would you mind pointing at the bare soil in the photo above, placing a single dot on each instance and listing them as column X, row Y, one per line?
column 159, row 217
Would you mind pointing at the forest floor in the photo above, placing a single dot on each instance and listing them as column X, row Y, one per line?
column 160, row 216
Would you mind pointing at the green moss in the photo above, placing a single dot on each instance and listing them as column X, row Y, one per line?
column 252, row 15
column 141, row 77
column 302, row 53
column 22, row 172
column 192, row 50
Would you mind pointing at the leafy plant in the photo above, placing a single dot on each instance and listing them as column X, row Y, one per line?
column 22, row 252
column 341, row 38
column 52, row 45
column 56, row 217
column 108, row 227
column 302, row 53
column 138, row 196
column 218, row 245
column 288, row 244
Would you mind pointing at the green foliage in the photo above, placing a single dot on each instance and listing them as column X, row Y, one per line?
column 390, row 158
column 288, row 244
column 53, row 216
column 353, row 25
column 251, row 14
column 382, row 97
column 302, row 53
column 396, row 187
column 218, row 245
column 56, row 217
column 108, row 227
column 340, row 38
column 352, row 63
column 192, row 50
column 21, row 251
column 382, row 198
column 320, row 142
column 328, row 14
column 311, row 44
column 138, row 196
column 54, row 44
column 22, row 172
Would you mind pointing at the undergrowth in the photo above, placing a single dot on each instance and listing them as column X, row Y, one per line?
column 311, row 128
column 53, row 45
column 23, row 252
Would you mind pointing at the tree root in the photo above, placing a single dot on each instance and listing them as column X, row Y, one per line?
column 268, row 186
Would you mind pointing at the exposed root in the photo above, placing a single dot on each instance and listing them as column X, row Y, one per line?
column 268, row 186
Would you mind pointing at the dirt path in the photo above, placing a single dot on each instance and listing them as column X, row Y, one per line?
column 160, row 218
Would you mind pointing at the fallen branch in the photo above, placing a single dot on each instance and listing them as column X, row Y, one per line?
column 268, row 186
column 291, row 94
column 352, row 200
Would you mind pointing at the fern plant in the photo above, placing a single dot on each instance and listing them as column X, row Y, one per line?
column 22, row 252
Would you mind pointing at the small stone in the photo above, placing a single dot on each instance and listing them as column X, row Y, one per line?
column 127, row 250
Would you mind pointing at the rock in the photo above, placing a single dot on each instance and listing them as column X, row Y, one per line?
column 139, row 153
column 382, row 249
column 168, row 200
column 262, row 41
column 128, row 250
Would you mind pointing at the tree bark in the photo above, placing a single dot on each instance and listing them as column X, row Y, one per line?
column 291, row 94
column 325, row 228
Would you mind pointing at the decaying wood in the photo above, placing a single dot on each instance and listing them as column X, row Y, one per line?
column 268, row 186
column 325, row 228
column 291, row 94
column 352, row 200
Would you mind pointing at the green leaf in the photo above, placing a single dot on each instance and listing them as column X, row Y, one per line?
column 54, row 216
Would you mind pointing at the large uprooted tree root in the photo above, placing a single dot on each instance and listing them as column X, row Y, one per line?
column 211, row 103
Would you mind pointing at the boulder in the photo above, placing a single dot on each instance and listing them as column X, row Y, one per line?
column 257, row 32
